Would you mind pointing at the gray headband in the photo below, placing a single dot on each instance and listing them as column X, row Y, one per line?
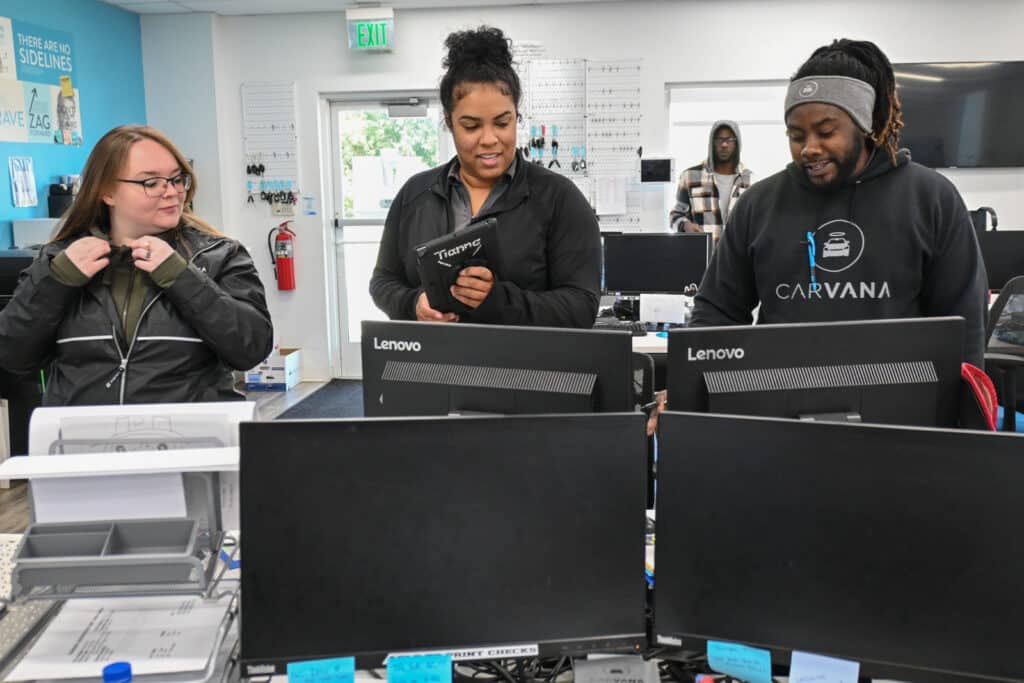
column 853, row 96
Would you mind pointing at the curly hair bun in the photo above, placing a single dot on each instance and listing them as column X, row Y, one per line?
column 487, row 45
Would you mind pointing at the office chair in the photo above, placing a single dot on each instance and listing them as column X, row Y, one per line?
column 978, row 218
column 1004, row 354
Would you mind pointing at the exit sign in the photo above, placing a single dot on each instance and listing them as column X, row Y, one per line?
column 370, row 29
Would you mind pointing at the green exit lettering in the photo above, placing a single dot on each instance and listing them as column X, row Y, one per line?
column 372, row 35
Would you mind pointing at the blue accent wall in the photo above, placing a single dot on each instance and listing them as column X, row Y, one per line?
column 108, row 76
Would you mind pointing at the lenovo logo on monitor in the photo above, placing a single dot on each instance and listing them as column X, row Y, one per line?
column 396, row 345
column 714, row 354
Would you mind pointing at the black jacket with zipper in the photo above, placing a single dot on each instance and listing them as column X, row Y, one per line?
column 893, row 242
column 550, row 245
column 213, row 318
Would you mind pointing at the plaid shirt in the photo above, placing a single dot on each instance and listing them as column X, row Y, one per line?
column 697, row 198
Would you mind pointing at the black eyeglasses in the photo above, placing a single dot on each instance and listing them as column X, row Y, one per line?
column 157, row 186
column 722, row 141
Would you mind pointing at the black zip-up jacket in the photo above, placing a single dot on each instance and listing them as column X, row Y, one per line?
column 894, row 242
column 548, row 237
column 212, row 318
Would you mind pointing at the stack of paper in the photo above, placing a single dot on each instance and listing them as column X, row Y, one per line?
column 157, row 635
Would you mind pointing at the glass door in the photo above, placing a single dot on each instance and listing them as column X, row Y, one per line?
column 377, row 145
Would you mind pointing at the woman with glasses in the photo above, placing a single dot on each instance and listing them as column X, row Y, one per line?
column 136, row 300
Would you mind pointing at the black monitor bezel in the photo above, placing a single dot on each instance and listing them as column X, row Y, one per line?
column 535, row 348
column 685, row 497
column 671, row 239
column 12, row 263
column 808, row 344
column 1003, row 254
column 265, row 464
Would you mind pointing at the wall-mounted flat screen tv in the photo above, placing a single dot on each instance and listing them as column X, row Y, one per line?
column 962, row 114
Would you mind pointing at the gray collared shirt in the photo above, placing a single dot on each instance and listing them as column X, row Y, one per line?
column 458, row 195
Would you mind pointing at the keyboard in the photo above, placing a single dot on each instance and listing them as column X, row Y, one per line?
column 637, row 329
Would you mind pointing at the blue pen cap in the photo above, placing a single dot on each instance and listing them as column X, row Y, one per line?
column 117, row 672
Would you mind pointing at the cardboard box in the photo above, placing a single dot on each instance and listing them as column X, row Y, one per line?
column 280, row 372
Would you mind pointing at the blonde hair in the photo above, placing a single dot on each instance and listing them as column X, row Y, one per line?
column 101, row 171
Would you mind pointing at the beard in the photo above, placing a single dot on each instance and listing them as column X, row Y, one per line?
column 846, row 164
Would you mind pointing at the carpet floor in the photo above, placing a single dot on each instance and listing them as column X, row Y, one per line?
column 337, row 398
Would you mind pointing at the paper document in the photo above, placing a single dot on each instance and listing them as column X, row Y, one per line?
column 740, row 661
column 157, row 635
column 808, row 668
column 230, row 505
column 80, row 499
column 663, row 308
column 611, row 195
column 98, row 444
column 117, row 464
column 140, row 427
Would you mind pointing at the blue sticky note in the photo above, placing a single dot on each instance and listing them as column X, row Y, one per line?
column 420, row 669
column 808, row 668
column 739, row 661
column 337, row 670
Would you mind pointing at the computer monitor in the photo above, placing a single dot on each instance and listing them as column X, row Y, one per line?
column 12, row 262
column 497, row 537
column 416, row 368
column 897, row 547
column 1003, row 254
column 902, row 371
column 671, row 263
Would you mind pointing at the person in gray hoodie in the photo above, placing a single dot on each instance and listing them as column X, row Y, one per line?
column 706, row 191
column 852, row 229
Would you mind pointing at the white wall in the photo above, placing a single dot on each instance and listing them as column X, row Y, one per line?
column 177, row 52
column 679, row 41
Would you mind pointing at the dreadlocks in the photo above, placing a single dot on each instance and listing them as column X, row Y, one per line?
column 863, row 60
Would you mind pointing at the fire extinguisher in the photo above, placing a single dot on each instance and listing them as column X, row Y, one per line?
column 282, row 255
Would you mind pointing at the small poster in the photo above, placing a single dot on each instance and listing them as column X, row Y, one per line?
column 41, row 55
column 23, row 181
column 38, row 100
column 7, row 70
column 65, row 123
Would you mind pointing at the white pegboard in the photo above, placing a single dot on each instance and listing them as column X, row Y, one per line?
column 269, row 135
column 554, row 96
column 594, row 106
column 613, row 138
column 613, row 117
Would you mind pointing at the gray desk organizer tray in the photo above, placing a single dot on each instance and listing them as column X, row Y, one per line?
column 123, row 552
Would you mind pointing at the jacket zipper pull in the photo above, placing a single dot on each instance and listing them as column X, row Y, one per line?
column 117, row 373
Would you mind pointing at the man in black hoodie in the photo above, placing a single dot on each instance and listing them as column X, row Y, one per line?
column 852, row 229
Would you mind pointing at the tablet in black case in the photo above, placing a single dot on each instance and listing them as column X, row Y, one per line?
column 440, row 260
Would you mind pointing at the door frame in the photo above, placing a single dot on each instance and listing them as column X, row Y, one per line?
column 331, row 188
